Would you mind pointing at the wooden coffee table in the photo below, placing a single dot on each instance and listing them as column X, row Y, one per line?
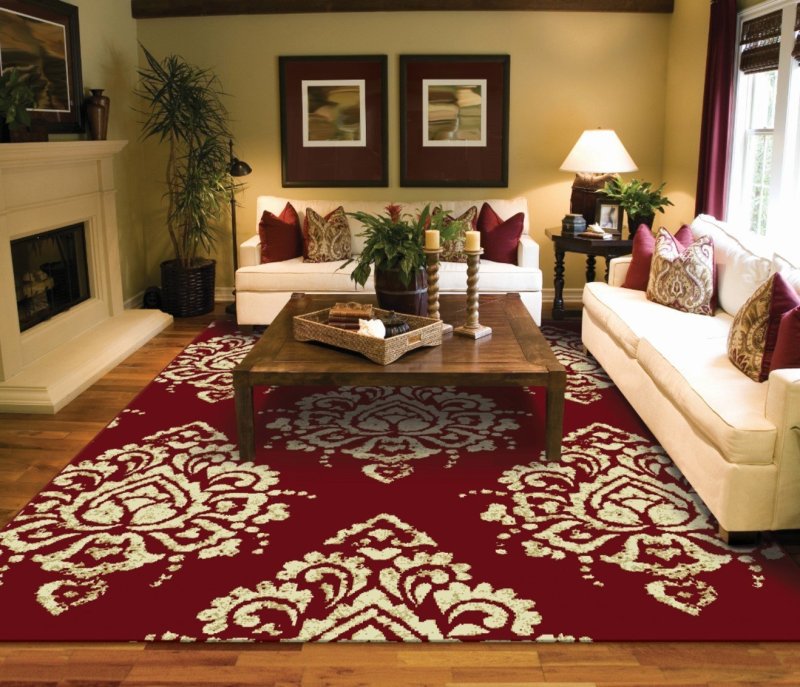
column 516, row 354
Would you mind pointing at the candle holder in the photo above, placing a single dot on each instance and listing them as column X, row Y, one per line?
column 432, row 257
column 472, row 328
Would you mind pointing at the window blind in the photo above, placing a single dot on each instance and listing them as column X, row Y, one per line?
column 760, row 43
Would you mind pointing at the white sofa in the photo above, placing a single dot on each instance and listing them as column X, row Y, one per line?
column 262, row 290
column 736, row 441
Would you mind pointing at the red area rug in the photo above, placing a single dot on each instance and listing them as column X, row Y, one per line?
column 380, row 514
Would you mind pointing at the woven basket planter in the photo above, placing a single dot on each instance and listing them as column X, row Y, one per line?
column 187, row 291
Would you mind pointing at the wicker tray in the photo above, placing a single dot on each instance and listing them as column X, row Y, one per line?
column 425, row 331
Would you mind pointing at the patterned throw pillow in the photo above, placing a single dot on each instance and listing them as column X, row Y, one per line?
column 644, row 243
column 326, row 239
column 453, row 250
column 682, row 279
column 754, row 331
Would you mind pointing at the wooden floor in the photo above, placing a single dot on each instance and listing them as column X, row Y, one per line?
column 33, row 448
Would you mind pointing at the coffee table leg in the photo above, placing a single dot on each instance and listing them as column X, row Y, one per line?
column 555, row 414
column 243, row 395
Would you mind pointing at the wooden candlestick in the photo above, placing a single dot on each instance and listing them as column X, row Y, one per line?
column 472, row 327
column 432, row 257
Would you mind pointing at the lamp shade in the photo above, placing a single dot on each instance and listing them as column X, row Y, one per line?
column 239, row 168
column 598, row 151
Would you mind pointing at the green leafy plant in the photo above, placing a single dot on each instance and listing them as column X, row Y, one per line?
column 639, row 198
column 16, row 96
column 396, row 240
column 184, row 109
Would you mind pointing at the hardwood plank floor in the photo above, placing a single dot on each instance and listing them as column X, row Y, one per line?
column 34, row 448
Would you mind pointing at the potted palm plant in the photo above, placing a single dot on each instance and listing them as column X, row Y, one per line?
column 639, row 199
column 184, row 110
column 395, row 244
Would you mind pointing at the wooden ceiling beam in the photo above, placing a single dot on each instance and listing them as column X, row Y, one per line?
column 156, row 9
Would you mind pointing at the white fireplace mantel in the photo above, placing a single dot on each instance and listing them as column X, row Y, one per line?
column 44, row 186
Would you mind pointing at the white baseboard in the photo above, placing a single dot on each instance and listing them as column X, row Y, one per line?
column 223, row 294
column 134, row 301
column 569, row 295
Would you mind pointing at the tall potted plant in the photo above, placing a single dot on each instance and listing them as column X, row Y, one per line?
column 395, row 245
column 184, row 110
column 639, row 199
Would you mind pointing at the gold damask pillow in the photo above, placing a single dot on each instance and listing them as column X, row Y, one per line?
column 453, row 250
column 682, row 278
column 326, row 239
column 754, row 331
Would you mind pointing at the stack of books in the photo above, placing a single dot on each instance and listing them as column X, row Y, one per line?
column 347, row 315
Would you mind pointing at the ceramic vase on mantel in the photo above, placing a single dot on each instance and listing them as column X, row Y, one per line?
column 97, row 107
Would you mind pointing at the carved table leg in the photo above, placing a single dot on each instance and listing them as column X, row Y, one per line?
column 558, row 298
column 590, row 268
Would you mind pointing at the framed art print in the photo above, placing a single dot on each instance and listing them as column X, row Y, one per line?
column 42, row 39
column 454, row 120
column 333, row 121
column 609, row 216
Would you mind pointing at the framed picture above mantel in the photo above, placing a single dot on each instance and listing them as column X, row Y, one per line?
column 333, row 121
column 42, row 38
column 454, row 120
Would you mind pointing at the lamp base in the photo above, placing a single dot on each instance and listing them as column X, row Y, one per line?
column 583, row 200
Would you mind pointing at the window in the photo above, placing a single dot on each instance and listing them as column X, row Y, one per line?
column 765, row 167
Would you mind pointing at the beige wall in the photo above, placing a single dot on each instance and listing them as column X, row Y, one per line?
column 109, row 61
column 569, row 72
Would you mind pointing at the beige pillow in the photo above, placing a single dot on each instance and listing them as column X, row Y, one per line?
column 682, row 278
column 453, row 250
column 326, row 239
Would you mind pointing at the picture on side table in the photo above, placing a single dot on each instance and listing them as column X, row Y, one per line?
column 41, row 39
column 454, row 120
column 609, row 216
column 333, row 121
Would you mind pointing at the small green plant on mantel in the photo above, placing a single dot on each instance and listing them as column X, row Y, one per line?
column 638, row 198
column 396, row 240
column 16, row 96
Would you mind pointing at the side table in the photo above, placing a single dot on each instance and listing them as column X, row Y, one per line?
column 567, row 243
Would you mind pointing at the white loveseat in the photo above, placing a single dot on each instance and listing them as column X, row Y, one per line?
column 736, row 441
column 262, row 290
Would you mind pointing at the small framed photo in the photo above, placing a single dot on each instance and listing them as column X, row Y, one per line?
column 333, row 120
column 609, row 216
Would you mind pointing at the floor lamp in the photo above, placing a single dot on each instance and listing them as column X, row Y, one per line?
column 238, row 168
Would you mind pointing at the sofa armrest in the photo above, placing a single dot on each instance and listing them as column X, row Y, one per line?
column 527, row 252
column 783, row 406
column 250, row 252
column 617, row 269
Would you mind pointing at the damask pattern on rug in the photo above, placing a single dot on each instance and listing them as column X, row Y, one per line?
column 389, row 428
column 207, row 366
column 180, row 495
column 615, row 498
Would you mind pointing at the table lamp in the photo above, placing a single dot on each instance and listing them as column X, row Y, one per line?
column 237, row 168
column 597, row 157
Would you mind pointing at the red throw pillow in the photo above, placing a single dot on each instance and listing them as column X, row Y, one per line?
column 500, row 238
column 787, row 345
column 281, row 238
column 644, row 244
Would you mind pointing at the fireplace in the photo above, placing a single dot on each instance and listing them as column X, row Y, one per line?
column 50, row 273
column 63, row 322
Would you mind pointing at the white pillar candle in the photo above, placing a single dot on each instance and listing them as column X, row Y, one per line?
column 432, row 239
column 473, row 241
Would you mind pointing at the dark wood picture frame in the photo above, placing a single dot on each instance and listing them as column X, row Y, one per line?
column 64, row 112
column 433, row 155
column 612, row 225
column 314, row 146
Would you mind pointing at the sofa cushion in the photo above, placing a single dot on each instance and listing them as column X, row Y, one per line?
column 494, row 276
column 716, row 399
column 644, row 244
column 499, row 237
column 281, row 237
column 296, row 275
column 754, row 332
column 453, row 250
column 682, row 278
column 739, row 268
column 787, row 345
column 326, row 239
column 628, row 316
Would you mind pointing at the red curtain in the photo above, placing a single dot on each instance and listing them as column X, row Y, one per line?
column 712, row 173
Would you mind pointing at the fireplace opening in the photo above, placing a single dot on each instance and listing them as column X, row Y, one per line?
column 50, row 273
